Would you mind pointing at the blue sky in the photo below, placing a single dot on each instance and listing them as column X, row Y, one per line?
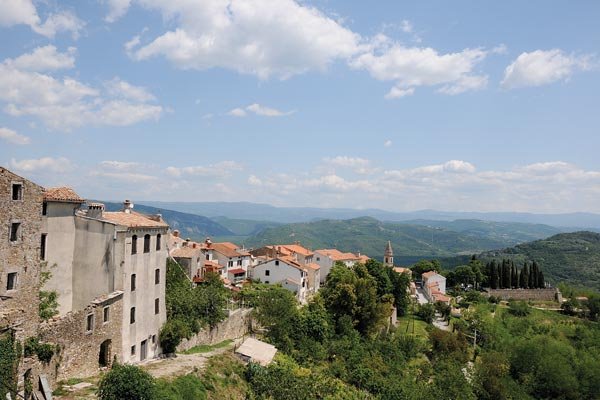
column 473, row 106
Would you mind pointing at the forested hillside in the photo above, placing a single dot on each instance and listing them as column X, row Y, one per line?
column 573, row 258
column 410, row 241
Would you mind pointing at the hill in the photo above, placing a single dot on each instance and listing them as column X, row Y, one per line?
column 244, row 227
column 510, row 232
column 369, row 236
column 189, row 225
column 266, row 212
column 573, row 258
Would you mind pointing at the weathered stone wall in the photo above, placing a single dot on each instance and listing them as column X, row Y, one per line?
column 549, row 294
column 79, row 349
column 235, row 326
column 19, row 307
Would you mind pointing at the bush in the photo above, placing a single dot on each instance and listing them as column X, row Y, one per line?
column 126, row 382
column 518, row 308
column 186, row 387
column 171, row 334
column 44, row 351
column 426, row 312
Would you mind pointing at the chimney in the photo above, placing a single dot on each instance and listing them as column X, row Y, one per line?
column 194, row 245
column 95, row 210
column 127, row 206
column 186, row 243
column 176, row 233
column 208, row 241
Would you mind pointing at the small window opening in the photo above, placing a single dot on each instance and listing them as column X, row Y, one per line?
column 158, row 239
column 133, row 282
column 134, row 244
column 156, row 306
column 106, row 314
column 89, row 323
column 11, row 281
column 17, row 191
column 132, row 315
column 14, row 231
column 156, row 276
column 146, row 243
column 43, row 247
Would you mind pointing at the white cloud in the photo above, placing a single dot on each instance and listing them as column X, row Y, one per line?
column 410, row 67
column 254, row 181
column 129, row 177
column 45, row 164
column 45, row 58
column 117, row 8
column 119, row 88
column 220, row 169
column 259, row 37
column 387, row 143
column 13, row 137
column 541, row 67
column 258, row 109
column 350, row 162
column 66, row 103
column 396, row 92
column 120, row 165
column 237, row 112
column 406, row 26
column 23, row 12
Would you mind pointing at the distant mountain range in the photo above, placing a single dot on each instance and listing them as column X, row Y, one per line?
column 265, row 212
column 411, row 241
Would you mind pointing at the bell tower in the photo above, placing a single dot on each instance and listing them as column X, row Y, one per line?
column 388, row 256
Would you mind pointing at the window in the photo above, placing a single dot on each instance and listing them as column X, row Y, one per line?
column 106, row 314
column 156, row 276
column 134, row 244
column 153, row 339
column 156, row 306
column 133, row 350
column 230, row 264
column 267, row 272
column 146, row 243
column 11, row 281
column 44, row 208
column 132, row 282
column 276, row 262
column 132, row 315
column 208, row 257
column 17, row 191
column 158, row 244
column 14, row 231
column 267, row 282
column 89, row 325
column 318, row 258
column 43, row 247
column 239, row 263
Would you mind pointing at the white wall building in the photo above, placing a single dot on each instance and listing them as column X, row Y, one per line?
column 285, row 271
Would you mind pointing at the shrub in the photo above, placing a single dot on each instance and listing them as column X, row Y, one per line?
column 126, row 382
column 518, row 308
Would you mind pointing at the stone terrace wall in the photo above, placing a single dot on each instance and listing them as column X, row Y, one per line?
column 79, row 349
column 235, row 326
column 550, row 294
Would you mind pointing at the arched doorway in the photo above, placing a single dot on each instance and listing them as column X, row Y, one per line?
column 105, row 353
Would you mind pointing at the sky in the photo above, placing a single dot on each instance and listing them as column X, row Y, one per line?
column 400, row 105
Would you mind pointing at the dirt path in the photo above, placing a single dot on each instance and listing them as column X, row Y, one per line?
column 183, row 363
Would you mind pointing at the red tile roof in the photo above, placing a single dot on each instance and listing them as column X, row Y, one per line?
column 237, row 271
column 185, row 252
column 337, row 255
column 62, row 194
column 228, row 249
column 296, row 248
column 132, row 220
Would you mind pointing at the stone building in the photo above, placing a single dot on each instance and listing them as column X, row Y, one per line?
column 20, row 245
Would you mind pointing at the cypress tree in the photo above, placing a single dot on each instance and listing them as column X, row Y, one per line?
column 525, row 272
column 541, row 282
column 493, row 275
column 514, row 276
column 531, row 280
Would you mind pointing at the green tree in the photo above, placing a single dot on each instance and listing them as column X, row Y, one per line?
column 126, row 382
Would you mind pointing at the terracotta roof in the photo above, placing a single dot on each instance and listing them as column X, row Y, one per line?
column 296, row 248
column 313, row 266
column 337, row 255
column 185, row 252
column 62, row 194
column 228, row 249
column 401, row 270
column 363, row 259
column 237, row 271
column 441, row 297
column 429, row 274
column 295, row 282
column 132, row 219
column 291, row 261
column 208, row 263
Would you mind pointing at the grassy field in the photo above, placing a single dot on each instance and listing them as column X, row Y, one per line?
column 205, row 348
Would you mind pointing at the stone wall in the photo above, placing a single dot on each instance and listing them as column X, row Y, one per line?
column 79, row 349
column 235, row 326
column 549, row 294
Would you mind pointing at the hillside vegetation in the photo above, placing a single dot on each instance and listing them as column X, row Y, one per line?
column 573, row 258
column 369, row 236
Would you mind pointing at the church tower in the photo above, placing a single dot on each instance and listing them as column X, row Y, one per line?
column 388, row 256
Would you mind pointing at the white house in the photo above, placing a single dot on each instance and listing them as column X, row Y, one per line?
column 326, row 258
column 285, row 271
column 434, row 286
